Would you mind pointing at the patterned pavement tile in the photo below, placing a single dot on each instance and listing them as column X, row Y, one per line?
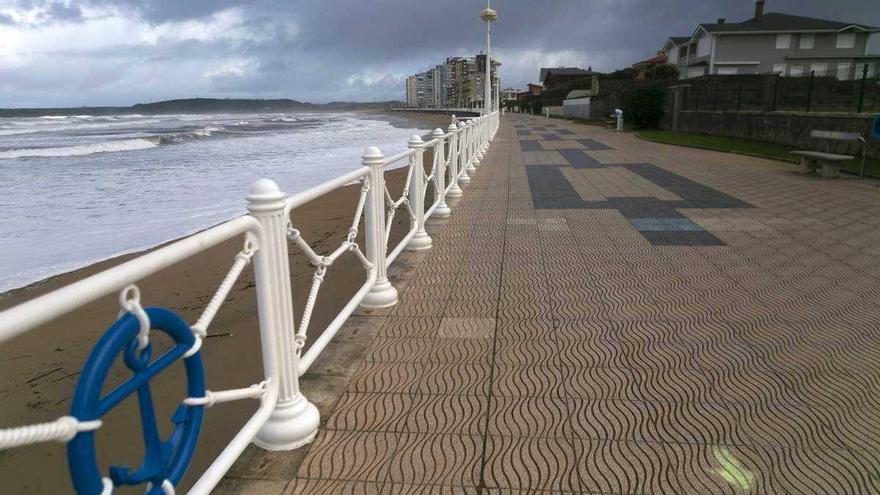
column 436, row 459
column 350, row 456
column 531, row 463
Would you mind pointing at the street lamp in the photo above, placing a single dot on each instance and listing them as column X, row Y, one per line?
column 488, row 15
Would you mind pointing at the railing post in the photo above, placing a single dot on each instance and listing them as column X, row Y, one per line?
column 473, row 159
column 420, row 240
column 478, row 141
column 464, row 150
column 454, row 190
column 383, row 294
column 442, row 210
column 294, row 421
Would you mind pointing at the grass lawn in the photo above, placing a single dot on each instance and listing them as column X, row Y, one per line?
column 762, row 149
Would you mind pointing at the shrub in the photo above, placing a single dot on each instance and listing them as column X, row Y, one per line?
column 627, row 73
column 663, row 72
column 643, row 106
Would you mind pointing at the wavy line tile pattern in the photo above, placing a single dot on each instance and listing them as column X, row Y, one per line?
column 558, row 351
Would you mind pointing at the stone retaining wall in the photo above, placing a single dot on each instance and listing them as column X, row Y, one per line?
column 791, row 129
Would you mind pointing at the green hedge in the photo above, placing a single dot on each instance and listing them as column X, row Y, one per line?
column 643, row 106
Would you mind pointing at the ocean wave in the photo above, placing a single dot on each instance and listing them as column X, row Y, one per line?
column 64, row 117
column 14, row 132
column 136, row 135
column 81, row 150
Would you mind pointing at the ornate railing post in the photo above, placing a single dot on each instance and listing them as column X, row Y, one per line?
column 464, row 147
column 294, row 421
column 420, row 240
column 383, row 294
column 454, row 190
column 473, row 158
column 442, row 210
column 478, row 142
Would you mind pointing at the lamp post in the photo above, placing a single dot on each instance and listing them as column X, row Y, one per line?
column 489, row 16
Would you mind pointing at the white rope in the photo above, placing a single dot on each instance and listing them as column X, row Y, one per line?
column 242, row 259
column 197, row 345
column 317, row 280
column 62, row 430
column 130, row 302
column 321, row 263
column 167, row 487
column 107, row 486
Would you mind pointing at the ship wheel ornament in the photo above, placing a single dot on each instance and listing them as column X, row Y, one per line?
column 165, row 461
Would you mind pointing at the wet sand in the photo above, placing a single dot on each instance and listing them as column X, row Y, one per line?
column 39, row 370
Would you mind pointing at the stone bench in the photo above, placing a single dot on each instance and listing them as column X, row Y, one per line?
column 830, row 162
column 810, row 161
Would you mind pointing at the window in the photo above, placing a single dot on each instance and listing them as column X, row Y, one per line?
column 779, row 69
column 846, row 40
column 819, row 69
column 727, row 71
column 808, row 41
column 673, row 57
column 796, row 71
column 843, row 71
column 783, row 41
column 704, row 46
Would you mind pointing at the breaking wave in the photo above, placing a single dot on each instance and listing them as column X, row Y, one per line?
column 114, row 146
column 83, row 149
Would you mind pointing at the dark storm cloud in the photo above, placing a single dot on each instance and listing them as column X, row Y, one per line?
column 324, row 50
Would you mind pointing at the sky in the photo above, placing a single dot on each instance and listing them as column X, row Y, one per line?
column 121, row 52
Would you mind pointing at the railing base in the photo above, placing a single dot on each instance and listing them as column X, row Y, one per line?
column 382, row 295
column 454, row 193
column 442, row 210
column 290, row 426
column 420, row 242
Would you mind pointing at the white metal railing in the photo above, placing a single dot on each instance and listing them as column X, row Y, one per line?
column 285, row 419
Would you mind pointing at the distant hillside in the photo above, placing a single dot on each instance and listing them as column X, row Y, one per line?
column 200, row 105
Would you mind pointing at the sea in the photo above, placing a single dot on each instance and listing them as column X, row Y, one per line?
column 77, row 189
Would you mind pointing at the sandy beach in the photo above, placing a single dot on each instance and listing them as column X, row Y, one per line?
column 39, row 370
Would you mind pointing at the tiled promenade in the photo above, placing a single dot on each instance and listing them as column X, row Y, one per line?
column 606, row 315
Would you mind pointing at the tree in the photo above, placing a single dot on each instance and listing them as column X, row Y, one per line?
column 664, row 72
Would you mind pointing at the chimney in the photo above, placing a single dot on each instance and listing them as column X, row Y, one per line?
column 759, row 10
column 721, row 20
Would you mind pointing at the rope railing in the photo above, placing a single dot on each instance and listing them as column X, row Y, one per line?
column 285, row 419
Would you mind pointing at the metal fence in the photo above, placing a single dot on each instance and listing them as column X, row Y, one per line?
column 811, row 92
column 285, row 418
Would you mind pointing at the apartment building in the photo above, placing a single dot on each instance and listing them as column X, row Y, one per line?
column 458, row 82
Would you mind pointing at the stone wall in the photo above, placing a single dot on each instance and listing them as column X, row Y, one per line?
column 555, row 111
column 787, row 128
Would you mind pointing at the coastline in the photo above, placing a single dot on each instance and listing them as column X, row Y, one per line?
column 39, row 369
